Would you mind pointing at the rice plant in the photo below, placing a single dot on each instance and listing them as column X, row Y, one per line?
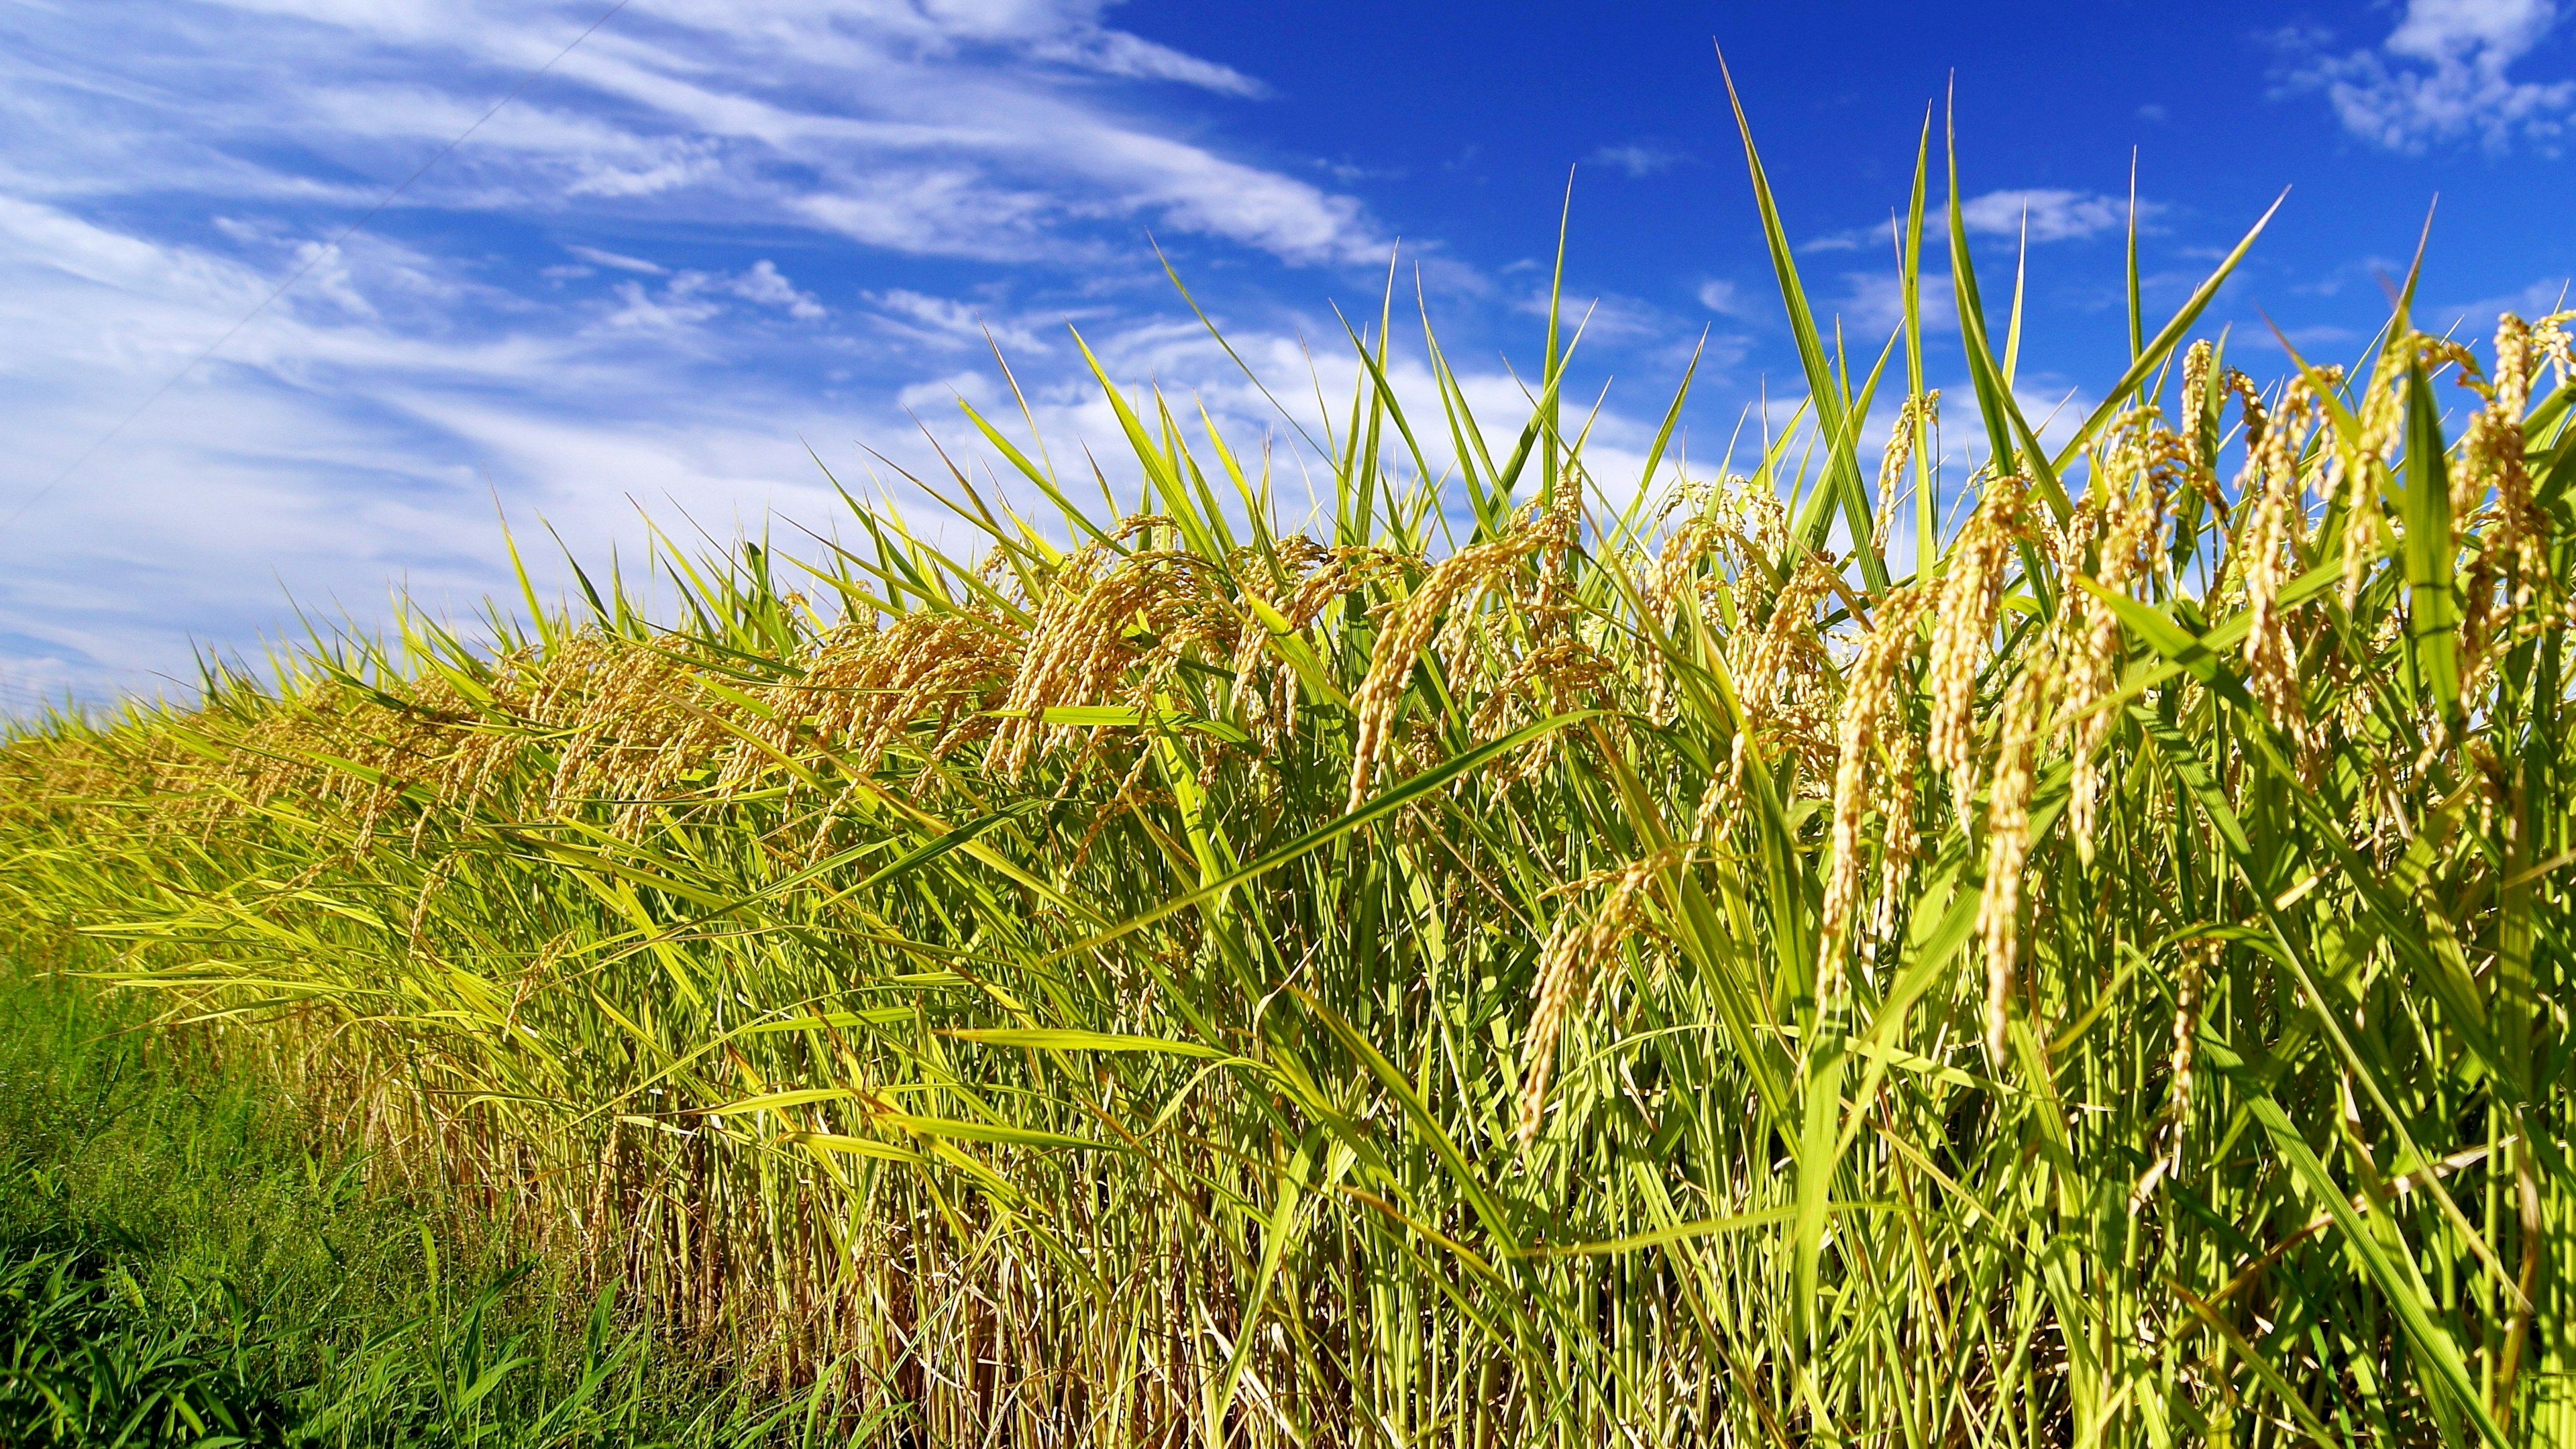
column 2073, row 953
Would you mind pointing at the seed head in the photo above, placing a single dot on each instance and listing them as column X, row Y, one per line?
column 2263, row 556
column 1456, row 582
column 1573, row 959
column 2007, row 849
column 1961, row 625
column 2492, row 459
column 1920, row 411
column 1869, row 708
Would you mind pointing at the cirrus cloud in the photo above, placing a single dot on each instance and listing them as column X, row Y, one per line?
column 709, row 230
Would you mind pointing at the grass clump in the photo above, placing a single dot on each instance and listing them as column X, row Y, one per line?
column 81, row 1370
column 2070, row 954
column 184, row 1259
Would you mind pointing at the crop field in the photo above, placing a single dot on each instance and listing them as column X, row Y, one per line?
column 2066, row 947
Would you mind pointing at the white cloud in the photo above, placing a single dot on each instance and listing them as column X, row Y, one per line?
column 334, row 453
column 974, row 387
column 2443, row 75
column 2052, row 214
column 621, row 263
column 939, row 129
column 948, row 323
column 1605, row 319
column 1115, row 52
column 764, row 285
column 1874, row 302
column 164, row 165
column 2475, row 319
column 2055, row 214
column 680, row 305
column 692, row 297
column 1640, row 158
column 1719, row 297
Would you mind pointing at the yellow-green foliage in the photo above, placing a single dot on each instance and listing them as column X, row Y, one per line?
column 1540, row 958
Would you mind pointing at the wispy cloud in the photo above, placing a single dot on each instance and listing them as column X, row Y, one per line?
column 946, row 322
column 1721, row 297
column 636, row 282
column 1603, row 319
column 1874, row 302
column 764, row 284
column 939, row 129
column 2051, row 214
column 2540, row 298
column 2444, row 74
column 1088, row 45
column 1641, row 158
column 335, row 451
column 2054, row 214
column 620, row 262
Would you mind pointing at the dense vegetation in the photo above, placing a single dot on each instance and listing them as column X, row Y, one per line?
column 2071, row 953
column 182, row 1261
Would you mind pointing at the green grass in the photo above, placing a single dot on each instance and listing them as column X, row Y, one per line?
column 2074, row 951
column 186, row 1259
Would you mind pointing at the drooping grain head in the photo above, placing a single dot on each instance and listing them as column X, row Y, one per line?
column 1963, row 623
column 1688, row 553
column 1870, row 712
column 1577, row 956
column 2493, row 461
column 2024, row 711
column 861, row 688
column 631, row 718
column 1785, row 669
column 2265, row 549
column 1117, row 638
column 1441, row 604
column 2133, row 481
column 1920, row 412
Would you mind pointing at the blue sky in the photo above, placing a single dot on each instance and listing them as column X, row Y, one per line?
column 718, row 231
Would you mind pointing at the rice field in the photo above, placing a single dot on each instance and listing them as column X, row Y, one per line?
column 2068, row 948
